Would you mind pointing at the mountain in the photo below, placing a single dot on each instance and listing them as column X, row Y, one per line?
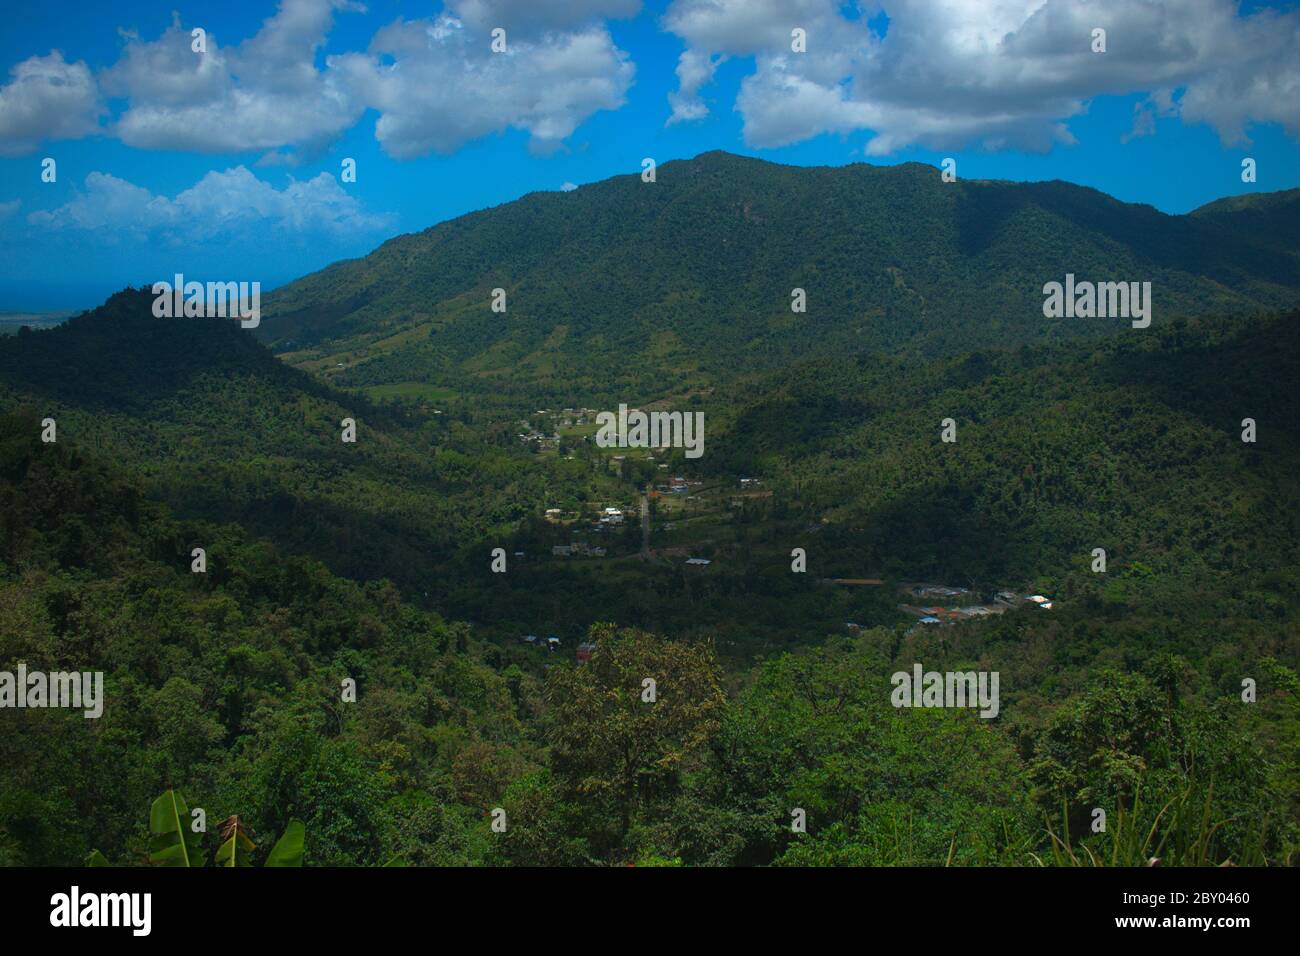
column 1270, row 218
column 220, row 429
column 175, row 433
column 626, row 289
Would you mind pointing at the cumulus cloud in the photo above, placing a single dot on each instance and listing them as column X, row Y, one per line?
column 568, row 187
column 264, row 93
column 530, row 17
column 108, row 202
column 695, row 69
column 47, row 98
column 220, row 205
column 998, row 73
column 437, row 84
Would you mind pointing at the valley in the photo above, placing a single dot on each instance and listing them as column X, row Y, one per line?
column 915, row 472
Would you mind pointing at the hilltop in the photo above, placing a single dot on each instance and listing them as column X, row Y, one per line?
column 629, row 288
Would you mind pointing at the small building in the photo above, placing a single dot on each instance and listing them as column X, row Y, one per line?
column 585, row 650
column 937, row 590
column 699, row 562
column 928, row 619
column 561, row 550
column 529, row 638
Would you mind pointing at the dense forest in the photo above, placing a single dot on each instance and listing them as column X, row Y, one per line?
column 350, row 658
column 616, row 290
column 226, row 684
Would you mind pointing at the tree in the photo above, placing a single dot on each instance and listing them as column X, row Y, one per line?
column 620, row 743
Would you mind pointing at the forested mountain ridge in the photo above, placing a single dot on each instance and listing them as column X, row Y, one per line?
column 221, row 429
column 1270, row 218
column 624, row 284
column 1057, row 450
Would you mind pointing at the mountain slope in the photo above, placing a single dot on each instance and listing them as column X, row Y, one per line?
column 1272, row 218
column 623, row 287
column 1130, row 445
column 223, row 430
column 223, row 683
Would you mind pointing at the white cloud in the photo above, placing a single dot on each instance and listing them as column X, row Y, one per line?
column 568, row 187
column 530, row 17
column 7, row 209
column 47, row 98
column 695, row 69
column 998, row 73
column 262, row 94
column 438, row 85
column 220, row 205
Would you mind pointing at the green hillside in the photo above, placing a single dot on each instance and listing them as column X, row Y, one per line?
column 227, row 685
column 624, row 287
column 1133, row 444
column 222, row 430
column 1270, row 218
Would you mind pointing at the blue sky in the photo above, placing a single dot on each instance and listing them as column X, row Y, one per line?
column 225, row 163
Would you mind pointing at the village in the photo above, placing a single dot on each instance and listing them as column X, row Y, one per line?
column 572, row 420
column 949, row 605
column 656, row 511
column 649, row 497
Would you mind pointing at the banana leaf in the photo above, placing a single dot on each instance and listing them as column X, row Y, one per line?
column 288, row 849
column 171, row 841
